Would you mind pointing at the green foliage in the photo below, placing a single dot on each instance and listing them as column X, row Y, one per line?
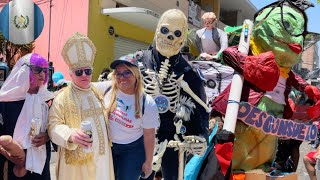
column 191, row 37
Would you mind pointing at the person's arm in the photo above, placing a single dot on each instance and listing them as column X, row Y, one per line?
column 150, row 121
column 149, row 140
column 223, row 41
column 298, row 82
column 58, row 131
column 101, row 87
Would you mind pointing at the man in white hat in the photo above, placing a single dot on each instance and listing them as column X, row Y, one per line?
column 82, row 155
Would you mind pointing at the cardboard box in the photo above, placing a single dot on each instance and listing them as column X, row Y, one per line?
column 263, row 176
column 255, row 176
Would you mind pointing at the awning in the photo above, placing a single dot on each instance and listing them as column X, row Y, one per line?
column 141, row 17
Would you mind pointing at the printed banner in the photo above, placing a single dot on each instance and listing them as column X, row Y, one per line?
column 287, row 128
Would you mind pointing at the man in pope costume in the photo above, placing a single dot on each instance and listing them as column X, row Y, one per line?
column 74, row 104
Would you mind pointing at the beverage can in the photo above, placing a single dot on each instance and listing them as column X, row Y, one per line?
column 35, row 126
column 86, row 127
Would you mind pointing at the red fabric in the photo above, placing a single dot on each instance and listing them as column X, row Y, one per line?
column 292, row 104
column 314, row 111
column 224, row 155
column 300, row 113
column 312, row 92
column 262, row 71
column 310, row 156
column 253, row 95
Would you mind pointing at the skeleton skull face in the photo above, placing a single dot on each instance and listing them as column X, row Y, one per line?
column 171, row 32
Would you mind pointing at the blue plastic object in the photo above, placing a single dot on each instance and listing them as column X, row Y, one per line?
column 57, row 76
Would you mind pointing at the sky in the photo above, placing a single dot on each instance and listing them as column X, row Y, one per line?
column 313, row 14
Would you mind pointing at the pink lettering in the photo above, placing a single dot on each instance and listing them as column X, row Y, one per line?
column 123, row 123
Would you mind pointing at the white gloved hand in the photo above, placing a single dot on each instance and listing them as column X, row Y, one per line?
column 156, row 161
column 178, row 126
column 197, row 144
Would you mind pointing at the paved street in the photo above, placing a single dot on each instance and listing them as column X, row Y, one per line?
column 304, row 148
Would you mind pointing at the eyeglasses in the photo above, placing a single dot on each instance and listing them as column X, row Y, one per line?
column 79, row 72
column 37, row 69
column 207, row 21
column 125, row 74
column 285, row 23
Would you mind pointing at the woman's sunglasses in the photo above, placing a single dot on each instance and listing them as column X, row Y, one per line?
column 37, row 69
column 79, row 72
column 125, row 74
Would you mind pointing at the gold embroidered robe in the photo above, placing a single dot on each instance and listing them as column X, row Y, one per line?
column 72, row 106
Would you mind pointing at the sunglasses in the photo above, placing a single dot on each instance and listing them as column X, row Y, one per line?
column 37, row 69
column 125, row 74
column 79, row 72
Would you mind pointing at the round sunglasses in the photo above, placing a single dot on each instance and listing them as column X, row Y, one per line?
column 79, row 72
column 125, row 74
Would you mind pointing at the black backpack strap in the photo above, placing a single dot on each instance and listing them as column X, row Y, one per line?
column 143, row 102
column 107, row 90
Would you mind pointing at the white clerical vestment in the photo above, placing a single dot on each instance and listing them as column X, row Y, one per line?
column 72, row 106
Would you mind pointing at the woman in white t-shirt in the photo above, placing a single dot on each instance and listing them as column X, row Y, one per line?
column 133, row 117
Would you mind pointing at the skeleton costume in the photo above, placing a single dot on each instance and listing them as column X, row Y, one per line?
column 177, row 89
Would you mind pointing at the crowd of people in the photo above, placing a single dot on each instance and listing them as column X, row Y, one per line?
column 138, row 116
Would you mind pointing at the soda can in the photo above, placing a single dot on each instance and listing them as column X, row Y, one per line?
column 35, row 126
column 86, row 127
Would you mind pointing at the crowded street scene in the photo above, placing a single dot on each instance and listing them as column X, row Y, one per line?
column 159, row 90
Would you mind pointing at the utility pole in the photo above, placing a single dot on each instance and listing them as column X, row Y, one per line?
column 51, row 68
column 49, row 43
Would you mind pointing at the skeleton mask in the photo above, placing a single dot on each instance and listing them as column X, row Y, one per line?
column 171, row 32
